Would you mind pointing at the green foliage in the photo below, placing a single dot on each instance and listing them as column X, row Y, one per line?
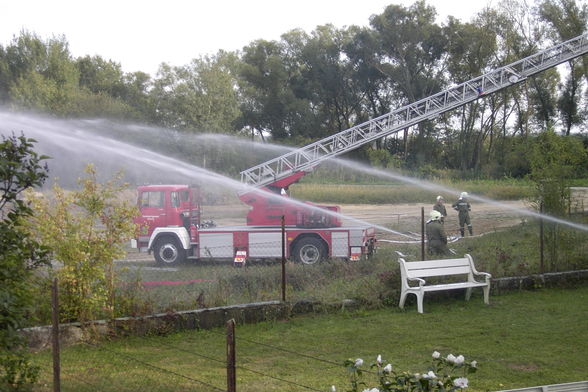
column 555, row 160
column 200, row 96
column 382, row 159
column 439, row 377
column 17, row 373
column 86, row 230
column 20, row 169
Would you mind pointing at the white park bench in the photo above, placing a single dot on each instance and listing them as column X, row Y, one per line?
column 414, row 271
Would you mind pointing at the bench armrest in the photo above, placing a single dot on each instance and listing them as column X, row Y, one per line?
column 421, row 281
column 486, row 275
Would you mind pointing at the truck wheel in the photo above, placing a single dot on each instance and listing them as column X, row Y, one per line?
column 309, row 250
column 169, row 251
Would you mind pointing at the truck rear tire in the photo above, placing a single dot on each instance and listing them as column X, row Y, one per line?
column 168, row 251
column 309, row 250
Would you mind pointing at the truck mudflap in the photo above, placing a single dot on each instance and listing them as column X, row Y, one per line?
column 240, row 258
column 355, row 253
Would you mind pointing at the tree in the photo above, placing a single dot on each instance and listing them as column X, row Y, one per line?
column 200, row 96
column 267, row 74
column 555, row 160
column 85, row 230
column 43, row 75
column 327, row 80
column 20, row 169
column 566, row 20
column 411, row 47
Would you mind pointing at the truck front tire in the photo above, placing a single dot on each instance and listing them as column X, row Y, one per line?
column 168, row 251
column 309, row 250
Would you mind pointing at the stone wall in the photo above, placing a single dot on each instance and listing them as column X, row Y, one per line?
column 40, row 337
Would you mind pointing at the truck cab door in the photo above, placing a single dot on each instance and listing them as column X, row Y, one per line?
column 153, row 211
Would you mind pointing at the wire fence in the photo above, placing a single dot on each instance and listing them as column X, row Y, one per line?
column 167, row 364
column 185, row 366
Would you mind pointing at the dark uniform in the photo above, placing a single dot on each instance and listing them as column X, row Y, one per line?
column 441, row 208
column 436, row 238
column 462, row 206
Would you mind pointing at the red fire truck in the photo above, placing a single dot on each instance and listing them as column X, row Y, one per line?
column 171, row 227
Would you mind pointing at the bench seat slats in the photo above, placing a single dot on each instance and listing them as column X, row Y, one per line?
column 417, row 265
column 413, row 273
column 440, row 271
column 450, row 286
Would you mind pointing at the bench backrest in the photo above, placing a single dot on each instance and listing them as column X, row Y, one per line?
column 444, row 267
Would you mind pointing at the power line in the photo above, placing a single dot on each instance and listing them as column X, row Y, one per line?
column 238, row 367
column 290, row 351
column 279, row 379
column 192, row 352
column 294, row 352
column 157, row 367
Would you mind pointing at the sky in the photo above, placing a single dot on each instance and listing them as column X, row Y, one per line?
column 141, row 34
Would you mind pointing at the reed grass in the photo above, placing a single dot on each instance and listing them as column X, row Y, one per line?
column 390, row 194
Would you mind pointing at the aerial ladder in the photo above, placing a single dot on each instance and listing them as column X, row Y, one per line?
column 284, row 170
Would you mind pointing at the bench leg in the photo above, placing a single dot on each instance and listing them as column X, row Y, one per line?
column 402, row 299
column 419, row 296
column 468, row 293
column 486, row 294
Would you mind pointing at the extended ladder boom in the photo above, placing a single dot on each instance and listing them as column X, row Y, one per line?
column 308, row 157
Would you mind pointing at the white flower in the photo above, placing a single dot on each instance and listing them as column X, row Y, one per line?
column 358, row 362
column 459, row 360
column 436, row 354
column 379, row 360
column 474, row 364
column 429, row 376
column 388, row 368
column 417, row 376
column 333, row 389
column 451, row 358
column 461, row 382
column 371, row 390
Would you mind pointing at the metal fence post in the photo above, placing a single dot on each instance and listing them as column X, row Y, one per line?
column 231, row 357
column 541, row 240
column 55, row 336
column 423, row 233
column 283, row 258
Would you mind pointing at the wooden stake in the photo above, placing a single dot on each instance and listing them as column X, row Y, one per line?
column 231, row 357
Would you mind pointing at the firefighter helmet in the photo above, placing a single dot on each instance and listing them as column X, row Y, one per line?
column 435, row 215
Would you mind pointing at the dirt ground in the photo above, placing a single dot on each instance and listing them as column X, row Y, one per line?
column 406, row 217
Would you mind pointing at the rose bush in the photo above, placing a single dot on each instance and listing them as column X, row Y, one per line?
column 445, row 374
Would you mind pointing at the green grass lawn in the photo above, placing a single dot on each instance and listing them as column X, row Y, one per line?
column 522, row 339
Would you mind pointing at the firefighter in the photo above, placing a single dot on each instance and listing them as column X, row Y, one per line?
column 440, row 206
column 436, row 237
column 462, row 206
